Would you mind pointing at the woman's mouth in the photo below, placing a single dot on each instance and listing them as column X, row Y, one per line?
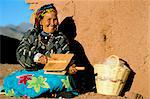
column 53, row 26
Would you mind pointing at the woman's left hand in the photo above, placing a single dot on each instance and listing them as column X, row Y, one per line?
column 72, row 69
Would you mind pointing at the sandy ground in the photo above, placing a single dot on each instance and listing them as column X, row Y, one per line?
column 91, row 96
column 6, row 69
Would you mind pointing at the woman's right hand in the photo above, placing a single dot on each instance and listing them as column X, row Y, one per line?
column 43, row 59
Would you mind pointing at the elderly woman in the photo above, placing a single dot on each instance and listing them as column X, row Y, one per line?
column 43, row 40
column 33, row 52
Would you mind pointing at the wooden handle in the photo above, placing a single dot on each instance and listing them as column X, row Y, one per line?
column 80, row 68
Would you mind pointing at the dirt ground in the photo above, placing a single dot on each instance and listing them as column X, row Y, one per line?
column 92, row 96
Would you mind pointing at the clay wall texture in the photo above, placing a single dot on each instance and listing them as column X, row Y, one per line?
column 106, row 27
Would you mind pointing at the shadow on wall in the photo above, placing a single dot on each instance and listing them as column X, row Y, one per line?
column 8, row 48
column 129, row 80
column 68, row 28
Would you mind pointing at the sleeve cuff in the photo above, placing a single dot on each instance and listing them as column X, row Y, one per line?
column 36, row 57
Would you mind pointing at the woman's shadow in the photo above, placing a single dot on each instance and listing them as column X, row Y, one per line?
column 85, row 80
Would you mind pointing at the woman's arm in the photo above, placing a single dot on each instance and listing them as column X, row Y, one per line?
column 27, row 50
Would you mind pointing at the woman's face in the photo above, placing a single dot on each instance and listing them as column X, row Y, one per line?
column 49, row 22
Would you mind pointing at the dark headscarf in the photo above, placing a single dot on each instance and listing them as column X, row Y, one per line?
column 40, row 14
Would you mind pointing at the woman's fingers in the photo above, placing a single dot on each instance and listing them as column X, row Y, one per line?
column 72, row 69
column 43, row 59
column 51, row 59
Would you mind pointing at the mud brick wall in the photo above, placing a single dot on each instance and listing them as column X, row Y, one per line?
column 106, row 27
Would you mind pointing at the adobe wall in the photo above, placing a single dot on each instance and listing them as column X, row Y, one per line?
column 106, row 27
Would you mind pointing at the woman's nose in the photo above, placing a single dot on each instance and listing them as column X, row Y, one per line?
column 52, row 22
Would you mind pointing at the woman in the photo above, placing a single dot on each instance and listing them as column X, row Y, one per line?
column 33, row 52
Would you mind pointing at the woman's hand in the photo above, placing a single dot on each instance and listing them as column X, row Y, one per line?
column 72, row 69
column 43, row 59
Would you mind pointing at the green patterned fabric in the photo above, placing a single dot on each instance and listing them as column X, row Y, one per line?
column 36, row 83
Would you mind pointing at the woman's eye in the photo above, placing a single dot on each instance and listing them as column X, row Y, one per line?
column 49, row 19
column 55, row 18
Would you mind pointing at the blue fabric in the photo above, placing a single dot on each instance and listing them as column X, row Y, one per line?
column 34, row 83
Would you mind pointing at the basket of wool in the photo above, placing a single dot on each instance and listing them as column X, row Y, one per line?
column 111, row 76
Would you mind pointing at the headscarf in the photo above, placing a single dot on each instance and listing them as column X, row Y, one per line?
column 41, row 12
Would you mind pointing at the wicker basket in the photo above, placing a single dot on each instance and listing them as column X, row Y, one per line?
column 111, row 76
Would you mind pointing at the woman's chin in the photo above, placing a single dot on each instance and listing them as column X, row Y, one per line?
column 50, row 31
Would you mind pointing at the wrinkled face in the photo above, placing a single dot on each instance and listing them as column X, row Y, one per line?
column 49, row 22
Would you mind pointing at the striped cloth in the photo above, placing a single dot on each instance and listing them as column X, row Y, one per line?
column 46, row 44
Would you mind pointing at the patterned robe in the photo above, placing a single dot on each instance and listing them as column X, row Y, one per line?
column 46, row 44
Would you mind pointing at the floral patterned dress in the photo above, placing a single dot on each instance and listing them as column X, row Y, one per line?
column 35, row 83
